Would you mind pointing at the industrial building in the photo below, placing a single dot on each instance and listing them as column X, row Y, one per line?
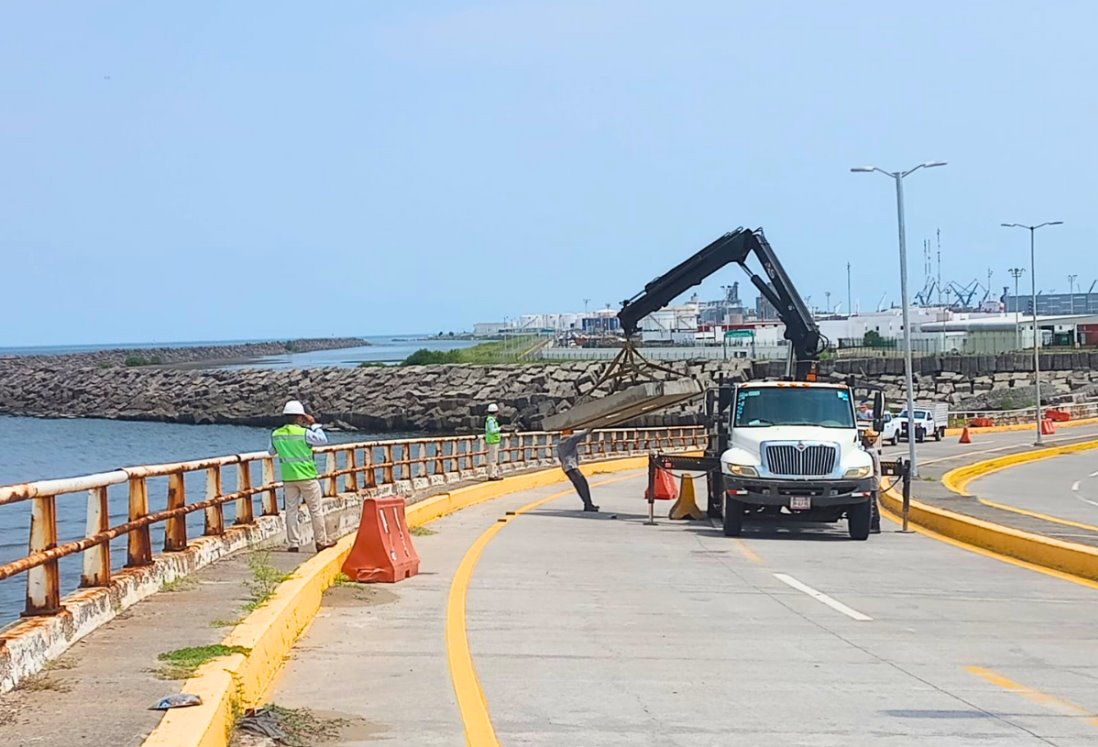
column 1053, row 304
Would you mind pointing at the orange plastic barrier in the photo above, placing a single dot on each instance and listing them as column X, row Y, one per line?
column 1058, row 416
column 981, row 422
column 666, row 490
column 1047, row 428
column 965, row 438
column 383, row 548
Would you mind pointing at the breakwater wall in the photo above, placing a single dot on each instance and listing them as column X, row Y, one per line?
column 453, row 398
column 177, row 355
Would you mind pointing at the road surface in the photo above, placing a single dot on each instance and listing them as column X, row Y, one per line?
column 1065, row 487
column 587, row 630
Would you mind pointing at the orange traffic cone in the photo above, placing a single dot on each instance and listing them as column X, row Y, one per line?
column 965, row 438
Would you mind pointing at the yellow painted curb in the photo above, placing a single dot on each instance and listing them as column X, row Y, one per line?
column 1065, row 557
column 1020, row 427
column 230, row 684
column 958, row 479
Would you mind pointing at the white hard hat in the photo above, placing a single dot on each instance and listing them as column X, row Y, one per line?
column 493, row 407
column 293, row 407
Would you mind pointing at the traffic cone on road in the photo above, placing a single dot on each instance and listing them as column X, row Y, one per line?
column 686, row 507
column 965, row 438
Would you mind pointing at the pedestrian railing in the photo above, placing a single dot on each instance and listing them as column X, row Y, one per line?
column 157, row 496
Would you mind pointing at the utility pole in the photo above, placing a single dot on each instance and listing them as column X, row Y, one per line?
column 1071, row 291
column 849, row 305
column 1016, row 272
column 939, row 267
column 827, row 295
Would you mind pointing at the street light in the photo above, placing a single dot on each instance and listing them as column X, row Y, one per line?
column 908, row 377
column 1071, row 291
column 1036, row 332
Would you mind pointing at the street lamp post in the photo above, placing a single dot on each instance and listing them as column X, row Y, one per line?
column 1071, row 291
column 898, row 176
column 1036, row 332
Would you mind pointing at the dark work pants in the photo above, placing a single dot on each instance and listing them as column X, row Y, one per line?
column 874, row 513
column 579, row 482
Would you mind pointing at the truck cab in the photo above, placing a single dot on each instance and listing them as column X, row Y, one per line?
column 794, row 451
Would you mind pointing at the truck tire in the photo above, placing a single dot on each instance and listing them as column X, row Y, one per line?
column 858, row 519
column 895, row 440
column 733, row 517
column 938, row 433
column 920, row 435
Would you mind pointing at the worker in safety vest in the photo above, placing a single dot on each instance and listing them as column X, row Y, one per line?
column 293, row 444
column 568, row 453
column 492, row 438
column 869, row 442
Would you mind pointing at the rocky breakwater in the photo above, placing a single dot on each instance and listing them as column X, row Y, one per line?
column 441, row 399
column 180, row 355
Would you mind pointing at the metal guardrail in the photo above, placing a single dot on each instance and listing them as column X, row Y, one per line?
column 1023, row 415
column 358, row 466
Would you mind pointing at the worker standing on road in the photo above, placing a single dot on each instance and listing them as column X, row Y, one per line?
column 568, row 453
column 869, row 440
column 293, row 444
column 491, row 439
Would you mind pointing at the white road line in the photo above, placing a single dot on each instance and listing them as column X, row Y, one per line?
column 1075, row 486
column 1093, row 474
column 821, row 597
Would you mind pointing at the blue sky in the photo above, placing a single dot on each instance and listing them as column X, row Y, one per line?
column 225, row 171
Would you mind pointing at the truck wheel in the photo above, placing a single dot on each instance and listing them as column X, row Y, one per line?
column 895, row 440
column 938, row 434
column 857, row 520
column 733, row 518
column 920, row 436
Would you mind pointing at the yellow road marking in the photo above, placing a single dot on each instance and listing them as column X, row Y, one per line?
column 1050, row 701
column 990, row 553
column 747, row 552
column 479, row 731
column 1036, row 515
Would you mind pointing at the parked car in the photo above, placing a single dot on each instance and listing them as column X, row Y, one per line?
column 930, row 420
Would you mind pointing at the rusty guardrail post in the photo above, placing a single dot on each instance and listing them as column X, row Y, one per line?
column 138, row 541
column 270, row 497
column 387, row 471
column 43, row 582
column 97, row 559
column 215, row 514
column 330, row 469
column 244, row 509
column 175, row 529
column 350, row 484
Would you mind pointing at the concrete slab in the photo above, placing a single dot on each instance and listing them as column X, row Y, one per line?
column 621, row 407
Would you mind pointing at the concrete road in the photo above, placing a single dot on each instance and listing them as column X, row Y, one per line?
column 587, row 630
column 1065, row 487
column 986, row 445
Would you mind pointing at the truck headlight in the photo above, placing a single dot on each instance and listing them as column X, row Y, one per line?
column 858, row 472
column 742, row 470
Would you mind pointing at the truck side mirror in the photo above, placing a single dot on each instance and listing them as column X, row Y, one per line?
column 878, row 424
column 878, row 407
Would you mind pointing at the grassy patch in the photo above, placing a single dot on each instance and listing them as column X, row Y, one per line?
column 303, row 727
column 183, row 583
column 219, row 623
column 43, row 682
column 265, row 579
column 504, row 351
column 422, row 531
column 182, row 663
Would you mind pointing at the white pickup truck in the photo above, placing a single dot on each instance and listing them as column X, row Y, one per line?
column 931, row 419
column 794, row 451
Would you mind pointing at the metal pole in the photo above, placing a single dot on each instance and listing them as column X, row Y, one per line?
column 1036, row 332
column 849, row 303
column 908, row 368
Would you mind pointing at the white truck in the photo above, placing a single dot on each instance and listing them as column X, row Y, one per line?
column 931, row 420
column 794, row 450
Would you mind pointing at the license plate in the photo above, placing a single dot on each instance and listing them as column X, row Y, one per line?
column 800, row 502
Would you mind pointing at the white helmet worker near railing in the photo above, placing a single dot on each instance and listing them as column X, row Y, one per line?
column 492, row 437
column 293, row 445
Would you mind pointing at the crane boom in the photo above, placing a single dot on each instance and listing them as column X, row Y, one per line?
column 806, row 342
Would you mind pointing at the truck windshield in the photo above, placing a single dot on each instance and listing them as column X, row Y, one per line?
column 766, row 406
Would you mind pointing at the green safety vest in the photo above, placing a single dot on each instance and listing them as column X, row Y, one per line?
column 491, row 430
column 295, row 456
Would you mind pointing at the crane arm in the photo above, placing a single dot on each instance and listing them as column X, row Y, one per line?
column 736, row 246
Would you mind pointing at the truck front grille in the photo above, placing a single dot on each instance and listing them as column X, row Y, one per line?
column 805, row 461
